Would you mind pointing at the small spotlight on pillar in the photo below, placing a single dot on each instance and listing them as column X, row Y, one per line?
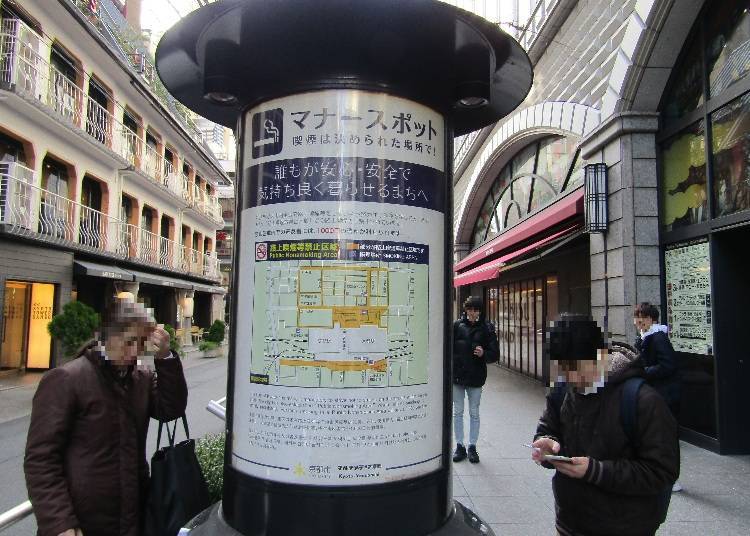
column 472, row 95
column 595, row 185
column 220, row 97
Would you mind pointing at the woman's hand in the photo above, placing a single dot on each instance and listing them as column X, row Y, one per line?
column 160, row 340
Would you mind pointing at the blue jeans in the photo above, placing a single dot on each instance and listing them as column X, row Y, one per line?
column 475, row 396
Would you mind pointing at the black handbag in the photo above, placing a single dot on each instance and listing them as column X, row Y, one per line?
column 177, row 490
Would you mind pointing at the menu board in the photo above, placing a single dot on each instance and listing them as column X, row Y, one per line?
column 688, row 279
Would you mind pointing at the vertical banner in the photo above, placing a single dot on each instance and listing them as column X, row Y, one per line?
column 339, row 330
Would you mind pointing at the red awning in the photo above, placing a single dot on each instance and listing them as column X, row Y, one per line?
column 491, row 269
column 566, row 208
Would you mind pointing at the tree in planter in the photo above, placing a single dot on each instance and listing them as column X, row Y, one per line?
column 174, row 343
column 75, row 326
column 216, row 332
column 209, row 450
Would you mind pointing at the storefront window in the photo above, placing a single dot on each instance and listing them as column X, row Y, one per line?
column 728, row 45
column 532, row 180
column 686, row 92
column 684, row 194
column 731, row 156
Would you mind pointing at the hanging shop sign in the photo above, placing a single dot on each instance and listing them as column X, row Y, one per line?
column 688, row 282
column 339, row 353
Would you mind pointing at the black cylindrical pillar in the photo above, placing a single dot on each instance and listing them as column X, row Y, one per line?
column 339, row 408
column 339, row 401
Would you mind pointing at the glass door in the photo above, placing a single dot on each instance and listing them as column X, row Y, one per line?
column 15, row 315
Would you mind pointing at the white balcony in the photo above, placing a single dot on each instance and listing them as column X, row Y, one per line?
column 24, row 69
column 30, row 211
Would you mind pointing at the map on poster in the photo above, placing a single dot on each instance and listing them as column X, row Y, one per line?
column 340, row 324
column 688, row 279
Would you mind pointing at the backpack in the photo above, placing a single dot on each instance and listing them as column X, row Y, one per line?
column 629, row 421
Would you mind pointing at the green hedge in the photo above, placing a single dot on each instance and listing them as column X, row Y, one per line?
column 74, row 326
column 210, row 452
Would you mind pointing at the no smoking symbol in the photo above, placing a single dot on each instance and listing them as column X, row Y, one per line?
column 261, row 252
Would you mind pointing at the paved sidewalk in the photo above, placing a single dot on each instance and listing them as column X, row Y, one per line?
column 17, row 389
column 514, row 495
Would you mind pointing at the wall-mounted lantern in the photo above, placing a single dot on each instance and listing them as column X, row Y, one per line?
column 595, row 189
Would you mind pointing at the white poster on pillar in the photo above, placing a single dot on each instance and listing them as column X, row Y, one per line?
column 339, row 344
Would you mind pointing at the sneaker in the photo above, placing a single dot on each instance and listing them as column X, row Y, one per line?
column 473, row 456
column 675, row 487
column 459, row 454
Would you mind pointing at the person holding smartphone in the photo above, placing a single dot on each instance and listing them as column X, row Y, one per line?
column 613, row 481
column 474, row 345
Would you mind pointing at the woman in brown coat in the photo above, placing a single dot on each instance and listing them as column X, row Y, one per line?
column 85, row 462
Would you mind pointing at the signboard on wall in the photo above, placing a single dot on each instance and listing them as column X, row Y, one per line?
column 688, row 283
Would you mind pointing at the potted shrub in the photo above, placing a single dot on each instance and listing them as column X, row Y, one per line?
column 216, row 332
column 209, row 450
column 74, row 327
column 209, row 348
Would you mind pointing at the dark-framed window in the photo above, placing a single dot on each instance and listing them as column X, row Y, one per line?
column 705, row 138
column 533, row 179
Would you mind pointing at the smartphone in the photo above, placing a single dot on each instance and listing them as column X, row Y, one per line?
column 554, row 458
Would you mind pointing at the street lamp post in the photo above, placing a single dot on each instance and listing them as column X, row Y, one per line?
column 339, row 391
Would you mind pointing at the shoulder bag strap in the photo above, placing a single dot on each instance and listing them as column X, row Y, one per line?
column 629, row 409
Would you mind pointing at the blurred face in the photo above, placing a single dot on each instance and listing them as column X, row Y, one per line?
column 124, row 347
column 472, row 314
column 581, row 373
column 642, row 323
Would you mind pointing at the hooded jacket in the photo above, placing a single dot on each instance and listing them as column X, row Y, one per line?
column 657, row 357
column 85, row 461
column 468, row 369
column 618, row 495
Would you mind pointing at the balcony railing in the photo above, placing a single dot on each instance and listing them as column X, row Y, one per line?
column 28, row 210
column 536, row 22
column 130, row 44
column 23, row 67
column 172, row 180
column 152, row 162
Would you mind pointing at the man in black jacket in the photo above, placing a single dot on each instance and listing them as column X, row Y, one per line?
column 474, row 345
column 612, row 485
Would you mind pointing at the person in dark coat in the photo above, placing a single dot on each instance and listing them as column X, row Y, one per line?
column 657, row 358
column 656, row 355
column 85, row 461
column 611, row 487
column 474, row 345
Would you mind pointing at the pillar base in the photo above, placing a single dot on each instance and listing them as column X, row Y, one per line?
column 463, row 522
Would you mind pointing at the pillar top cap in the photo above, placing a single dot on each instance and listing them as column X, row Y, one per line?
column 234, row 54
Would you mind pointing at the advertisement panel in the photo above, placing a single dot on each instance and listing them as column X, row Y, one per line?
column 339, row 341
column 688, row 279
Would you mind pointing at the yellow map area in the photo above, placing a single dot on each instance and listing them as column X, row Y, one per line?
column 338, row 366
column 348, row 296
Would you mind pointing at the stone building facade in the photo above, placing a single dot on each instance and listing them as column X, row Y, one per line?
column 656, row 90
